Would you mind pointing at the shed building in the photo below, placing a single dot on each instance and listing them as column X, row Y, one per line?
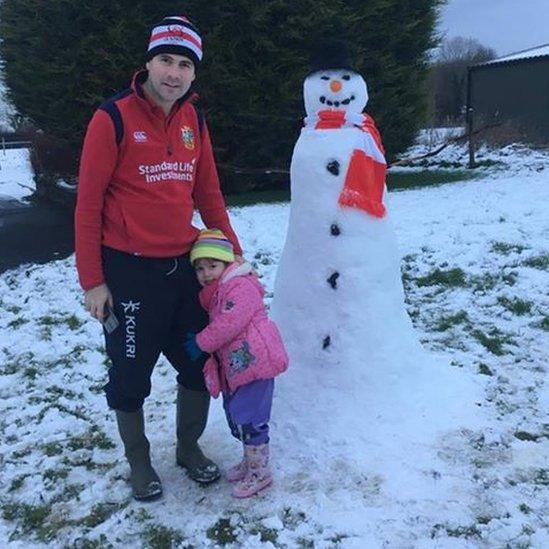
column 512, row 90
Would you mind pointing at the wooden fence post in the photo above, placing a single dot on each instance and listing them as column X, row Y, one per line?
column 470, row 121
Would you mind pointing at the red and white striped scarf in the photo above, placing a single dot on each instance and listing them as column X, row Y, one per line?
column 365, row 178
column 331, row 119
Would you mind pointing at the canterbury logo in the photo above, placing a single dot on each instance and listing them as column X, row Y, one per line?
column 139, row 136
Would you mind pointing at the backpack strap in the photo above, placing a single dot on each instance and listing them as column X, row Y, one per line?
column 111, row 108
column 113, row 111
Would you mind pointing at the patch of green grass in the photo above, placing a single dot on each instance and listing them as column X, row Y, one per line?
column 265, row 196
column 542, row 477
column 100, row 513
column 48, row 320
column 55, row 392
column 16, row 322
column 9, row 368
column 93, row 438
column 62, row 408
column 292, row 518
column 18, row 454
column 488, row 281
column 70, row 492
column 158, row 536
column 506, row 248
column 29, row 519
column 457, row 532
column 444, row 323
column 265, row 534
column 14, row 309
column 515, row 305
column 222, row 532
column 525, row 435
column 450, row 278
column 485, row 282
column 338, row 538
column 523, row 508
column 73, row 322
column 53, row 475
column 96, row 388
column 489, row 163
column 493, row 341
column 510, row 278
column 85, row 543
column 545, row 323
column 17, row 482
column 538, row 262
column 87, row 463
column 31, row 372
column 426, row 178
column 484, row 370
column 263, row 258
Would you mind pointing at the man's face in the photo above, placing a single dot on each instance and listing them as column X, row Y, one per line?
column 170, row 77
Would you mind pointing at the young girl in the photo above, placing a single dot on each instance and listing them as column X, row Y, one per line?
column 246, row 354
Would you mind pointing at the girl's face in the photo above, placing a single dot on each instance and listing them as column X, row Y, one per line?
column 208, row 270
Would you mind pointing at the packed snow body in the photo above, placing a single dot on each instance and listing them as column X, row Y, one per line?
column 339, row 303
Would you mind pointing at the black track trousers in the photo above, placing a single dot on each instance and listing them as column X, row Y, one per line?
column 156, row 304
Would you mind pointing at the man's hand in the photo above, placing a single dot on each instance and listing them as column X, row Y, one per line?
column 96, row 299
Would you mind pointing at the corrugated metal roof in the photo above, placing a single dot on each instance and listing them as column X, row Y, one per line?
column 539, row 51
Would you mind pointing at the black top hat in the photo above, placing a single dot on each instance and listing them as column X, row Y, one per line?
column 330, row 55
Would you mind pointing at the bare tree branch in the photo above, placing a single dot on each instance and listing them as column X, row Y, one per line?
column 455, row 139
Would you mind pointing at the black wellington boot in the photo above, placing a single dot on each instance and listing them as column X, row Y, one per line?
column 146, row 485
column 191, row 418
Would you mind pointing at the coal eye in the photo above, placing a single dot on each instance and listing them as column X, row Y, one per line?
column 325, row 78
column 346, row 77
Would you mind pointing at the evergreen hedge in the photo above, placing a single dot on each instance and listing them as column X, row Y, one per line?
column 63, row 58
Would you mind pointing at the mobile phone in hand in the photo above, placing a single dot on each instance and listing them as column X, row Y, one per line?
column 110, row 322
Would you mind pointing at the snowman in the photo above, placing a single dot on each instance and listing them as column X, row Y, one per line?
column 363, row 401
column 338, row 295
column 338, row 284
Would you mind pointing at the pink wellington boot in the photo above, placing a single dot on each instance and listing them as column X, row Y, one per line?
column 258, row 475
column 237, row 472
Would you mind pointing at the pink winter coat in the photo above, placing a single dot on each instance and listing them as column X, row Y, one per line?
column 245, row 344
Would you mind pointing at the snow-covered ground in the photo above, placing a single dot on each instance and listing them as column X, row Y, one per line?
column 475, row 264
column 16, row 180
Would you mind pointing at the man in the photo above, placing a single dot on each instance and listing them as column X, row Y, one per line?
column 147, row 161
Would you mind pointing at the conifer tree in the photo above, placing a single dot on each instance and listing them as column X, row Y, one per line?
column 63, row 58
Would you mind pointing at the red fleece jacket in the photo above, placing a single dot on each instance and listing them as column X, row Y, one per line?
column 138, row 197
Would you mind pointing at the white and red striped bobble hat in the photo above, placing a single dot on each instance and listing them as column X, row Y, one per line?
column 176, row 34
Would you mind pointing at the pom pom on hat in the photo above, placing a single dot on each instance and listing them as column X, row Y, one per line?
column 176, row 34
column 212, row 244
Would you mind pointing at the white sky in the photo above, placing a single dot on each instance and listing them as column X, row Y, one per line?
column 506, row 26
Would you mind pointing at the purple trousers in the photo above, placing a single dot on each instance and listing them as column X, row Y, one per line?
column 248, row 411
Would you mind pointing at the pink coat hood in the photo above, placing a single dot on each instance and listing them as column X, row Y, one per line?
column 246, row 345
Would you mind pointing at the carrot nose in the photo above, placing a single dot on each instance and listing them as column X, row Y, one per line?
column 335, row 85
